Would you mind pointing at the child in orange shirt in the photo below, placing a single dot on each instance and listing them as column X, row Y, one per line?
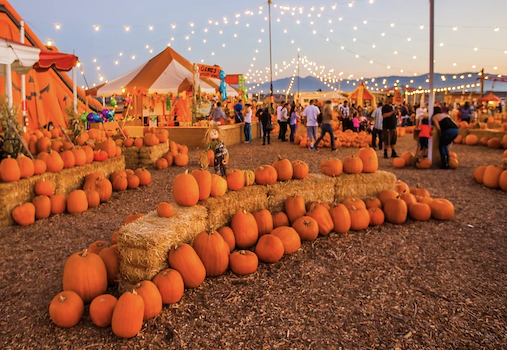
column 424, row 137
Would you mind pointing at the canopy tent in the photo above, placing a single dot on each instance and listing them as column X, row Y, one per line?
column 48, row 94
column 19, row 57
column 168, row 72
column 332, row 96
column 491, row 97
column 361, row 94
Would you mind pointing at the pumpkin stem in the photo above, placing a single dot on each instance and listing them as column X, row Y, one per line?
column 85, row 253
column 306, row 223
column 61, row 299
column 186, row 171
column 134, row 292
column 242, row 252
column 354, row 208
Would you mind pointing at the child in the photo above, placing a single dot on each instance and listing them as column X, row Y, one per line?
column 424, row 136
column 356, row 123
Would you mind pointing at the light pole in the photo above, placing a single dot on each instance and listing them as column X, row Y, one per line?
column 431, row 99
column 270, row 59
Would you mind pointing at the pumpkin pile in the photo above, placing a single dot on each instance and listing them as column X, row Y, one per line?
column 151, row 137
column 473, row 140
column 177, row 155
column 494, row 177
column 408, row 159
column 96, row 190
column 366, row 161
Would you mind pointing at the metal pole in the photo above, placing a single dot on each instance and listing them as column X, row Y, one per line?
column 74, row 88
column 482, row 82
column 298, row 81
column 431, row 97
column 8, row 85
column 270, row 57
column 23, row 81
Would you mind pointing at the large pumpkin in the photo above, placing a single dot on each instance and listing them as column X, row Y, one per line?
column 280, row 219
column 42, row 207
column 69, row 161
column 269, row 249
column 306, row 227
column 39, row 167
column 245, row 229
column 352, row 165
column 289, row 237
column 144, row 176
column 395, row 211
column 359, row 218
column 79, row 156
column 151, row 140
column 323, row 218
column 377, row 216
column 102, row 186
column 300, row 169
column 181, row 159
column 369, row 158
column 491, row 177
column 77, row 202
column 185, row 190
column 109, row 146
column 128, row 315
column 85, row 274
column 243, row 262
column 331, row 167
column 479, row 174
column 228, row 236
column 264, row 221
column 235, row 179
column 419, row 212
column 151, row 297
column 66, row 309
column 384, row 195
column 295, row 208
column 283, row 168
column 54, row 162
column 398, row 162
column 218, row 186
column 265, row 175
column 185, row 260
column 26, row 167
column 101, row 310
column 341, row 218
column 44, row 188
column 58, row 203
column 9, row 170
column 109, row 256
column 170, row 285
column 441, row 209
column 203, row 178
column 213, row 252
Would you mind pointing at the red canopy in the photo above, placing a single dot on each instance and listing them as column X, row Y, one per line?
column 491, row 98
column 60, row 61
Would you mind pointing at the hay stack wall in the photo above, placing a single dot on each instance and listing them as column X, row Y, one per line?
column 144, row 157
column 144, row 245
column 22, row 191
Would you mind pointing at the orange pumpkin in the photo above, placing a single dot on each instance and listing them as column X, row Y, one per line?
column 441, row 209
column 352, row 165
column 245, row 229
column 228, row 236
column 144, row 176
column 243, row 262
column 181, row 159
column 265, row 175
column 264, row 221
column 307, row 228
column 58, row 204
column 377, row 216
column 54, row 162
column 101, row 310
column 289, row 237
column 295, row 208
column 185, row 190
column 24, row 214
column 269, row 249
column 69, row 161
column 77, row 202
column 359, row 218
column 79, row 156
column 331, row 167
column 132, row 181
column 165, row 210
column 373, row 203
column 26, row 167
column 491, row 177
column 185, row 260
column 151, row 297
column 66, row 309
column 39, row 167
column 369, row 158
column 300, row 169
column 131, row 218
column 9, row 170
column 283, row 169
column 109, row 256
column 503, row 181
column 419, row 211
column 354, row 201
column 395, row 211
column 102, row 186
column 280, row 219
column 42, row 207
column 213, row 252
column 128, row 315
column 151, row 140
column 399, row 162
column 235, row 179
column 341, row 218
column 408, row 157
column 44, row 188
column 170, row 285
column 323, row 218
column 218, row 186
column 161, row 164
column 97, row 246
column 479, row 174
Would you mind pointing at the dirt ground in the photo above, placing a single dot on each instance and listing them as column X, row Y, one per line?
column 432, row 285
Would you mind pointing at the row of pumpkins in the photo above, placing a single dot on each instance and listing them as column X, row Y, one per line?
column 492, row 176
column 489, row 124
column 408, row 159
column 188, row 189
column 259, row 236
column 96, row 189
column 177, row 155
column 473, row 140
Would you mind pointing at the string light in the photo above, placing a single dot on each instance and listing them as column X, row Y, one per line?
column 127, row 28
column 97, row 28
column 57, row 26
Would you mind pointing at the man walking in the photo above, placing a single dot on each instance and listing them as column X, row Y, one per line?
column 389, row 122
column 345, row 115
column 311, row 113
column 377, row 126
column 279, row 118
column 327, row 116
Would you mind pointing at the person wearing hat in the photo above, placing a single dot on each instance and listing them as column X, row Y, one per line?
column 248, row 123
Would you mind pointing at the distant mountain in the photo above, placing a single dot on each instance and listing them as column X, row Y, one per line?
column 310, row 83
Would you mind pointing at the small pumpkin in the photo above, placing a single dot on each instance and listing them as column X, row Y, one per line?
column 300, row 169
column 399, row 162
column 491, row 177
column 295, row 208
column 352, row 165
column 93, row 198
column 42, row 207
column 280, row 219
column 58, row 204
column 420, row 191
column 408, row 157
column 66, row 309
column 369, row 158
column 269, row 249
column 109, row 256
column 373, row 202
column 203, row 178
column 165, row 210
column 120, row 183
column 331, row 167
column 323, row 218
column 441, row 209
column 245, row 229
column 170, row 285
column 185, row 260
column 101, row 310
column 151, row 297
column 181, row 159
column 359, row 218
column 377, row 216
column 128, row 315
column 341, row 218
column 354, row 201
column 264, row 221
column 306, row 227
column 44, row 188
column 213, row 252
column 249, row 177
column 26, row 167
column 54, row 162
column 39, row 167
column 185, row 190
column 9, row 170
column 401, row 187
column 79, row 156
column 384, row 195
column 479, row 174
column 235, row 179
column 24, row 214
column 289, row 237
column 97, row 246
column 424, row 163
column 69, row 161
column 395, row 211
column 265, row 175
column 419, row 211
column 228, row 236
column 144, row 176
column 131, row 218
column 161, row 164
column 503, row 181
column 218, row 186
column 243, row 262
column 132, row 181
column 283, row 169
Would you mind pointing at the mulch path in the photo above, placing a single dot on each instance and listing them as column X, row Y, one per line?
column 432, row 285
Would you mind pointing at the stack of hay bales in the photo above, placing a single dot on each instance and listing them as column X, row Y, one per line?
column 144, row 157
column 362, row 185
column 143, row 245
column 131, row 157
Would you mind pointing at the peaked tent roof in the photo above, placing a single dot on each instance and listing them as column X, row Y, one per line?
column 366, row 93
column 48, row 93
column 491, row 97
column 164, row 73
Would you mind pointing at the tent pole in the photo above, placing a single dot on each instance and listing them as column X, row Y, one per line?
column 74, row 88
column 23, row 82
column 8, row 85
column 431, row 97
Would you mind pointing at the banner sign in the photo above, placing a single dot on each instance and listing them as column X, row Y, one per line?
column 209, row 71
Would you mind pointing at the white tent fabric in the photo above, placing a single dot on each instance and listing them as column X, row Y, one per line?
column 21, row 57
column 171, row 78
column 116, row 85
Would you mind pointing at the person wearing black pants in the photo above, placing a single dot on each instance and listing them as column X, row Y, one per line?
column 377, row 127
column 283, row 123
column 266, row 124
column 327, row 116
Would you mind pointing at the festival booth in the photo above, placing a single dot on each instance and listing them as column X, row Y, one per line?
column 170, row 92
column 362, row 96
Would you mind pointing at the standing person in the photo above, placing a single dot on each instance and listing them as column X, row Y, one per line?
column 248, row 123
column 258, row 114
column 448, row 131
column 283, row 122
column 356, row 123
column 404, row 114
column 424, row 137
column 377, row 126
column 265, row 119
column 389, row 126
column 217, row 114
column 344, row 111
column 444, row 108
column 294, row 116
column 466, row 112
column 238, row 115
column 327, row 116
column 279, row 117
column 311, row 112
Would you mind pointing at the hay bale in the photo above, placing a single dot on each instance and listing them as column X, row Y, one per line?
column 149, row 155
column 480, row 133
column 363, row 185
column 221, row 209
column 131, row 274
column 131, row 155
column 316, row 187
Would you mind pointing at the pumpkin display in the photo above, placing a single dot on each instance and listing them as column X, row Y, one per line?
column 243, row 262
column 408, row 157
column 44, row 188
column 132, row 181
column 265, row 175
column 359, row 218
column 419, row 211
column 77, row 202
column 235, row 179
column 264, row 221
column 54, row 162
column 245, row 229
column 85, row 274
column 377, row 216
column 144, row 176
column 341, row 218
column 58, row 204
column 289, row 237
column 441, row 209
column 300, row 169
column 218, row 186
column 384, row 195
column 228, row 236
column 24, row 214
column 42, row 207
column 185, row 190
column 213, row 252
column 97, row 246
column 131, row 218
column 420, row 191
column 373, row 203
column 39, row 167
column 120, row 183
column 269, row 249
column 151, row 140
column 185, row 260
column 295, row 208
column 151, row 297
column 9, row 170
column 165, row 210
column 66, row 309
column 395, row 211
column 249, row 177
column 170, row 285
column 331, row 167
column 369, row 158
column 283, row 169
column 399, row 162
column 491, row 177
column 280, row 219
column 352, row 165
column 323, row 218
column 26, row 167
column 479, row 174
column 306, row 227
column 101, row 310
column 109, row 256
column 161, row 164
column 128, row 315
column 354, row 201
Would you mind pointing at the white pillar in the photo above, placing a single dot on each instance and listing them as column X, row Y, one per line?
column 23, row 80
column 74, row 89
column 431, row 97
column 8, row 85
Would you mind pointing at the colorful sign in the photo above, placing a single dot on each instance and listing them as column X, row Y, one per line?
column 209, row 71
